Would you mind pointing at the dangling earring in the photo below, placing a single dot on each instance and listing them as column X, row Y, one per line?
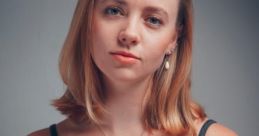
column 167, row 65
column 166, row 61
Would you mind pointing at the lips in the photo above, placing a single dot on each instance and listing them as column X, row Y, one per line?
column 124, row 58
column 125, row 54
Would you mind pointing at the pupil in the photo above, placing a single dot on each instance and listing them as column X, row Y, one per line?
column 113, row 11
column 153, row 20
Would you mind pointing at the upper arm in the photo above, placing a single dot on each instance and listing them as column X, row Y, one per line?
column 42, row 132
column 219, row 130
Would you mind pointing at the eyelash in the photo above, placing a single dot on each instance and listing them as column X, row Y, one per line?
column 152, row 18
column 108, row 11
column 118, row 11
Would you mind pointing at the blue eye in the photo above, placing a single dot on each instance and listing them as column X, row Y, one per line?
column 113, row 11
column 154, row 21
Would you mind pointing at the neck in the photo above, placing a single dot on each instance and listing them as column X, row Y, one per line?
column 125, row 103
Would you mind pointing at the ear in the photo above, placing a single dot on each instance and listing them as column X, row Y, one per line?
column 172, row 45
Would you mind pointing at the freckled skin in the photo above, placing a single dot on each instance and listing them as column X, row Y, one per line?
column 133, row 32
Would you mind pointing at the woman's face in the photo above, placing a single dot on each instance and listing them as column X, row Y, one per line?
column 131, row 37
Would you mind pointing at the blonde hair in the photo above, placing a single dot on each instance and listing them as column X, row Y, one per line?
column 169, row 106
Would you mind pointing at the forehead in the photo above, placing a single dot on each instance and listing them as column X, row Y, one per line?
column 169, row 6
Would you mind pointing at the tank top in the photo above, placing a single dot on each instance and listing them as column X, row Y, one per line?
column 203, row 130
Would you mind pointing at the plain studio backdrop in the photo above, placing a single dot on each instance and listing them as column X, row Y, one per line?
column 225, row 62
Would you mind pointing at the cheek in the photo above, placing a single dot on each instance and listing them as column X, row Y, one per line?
column 103, row 37
column 155, row 49
column 157, row 45
column 98, row 46
column 154, row 58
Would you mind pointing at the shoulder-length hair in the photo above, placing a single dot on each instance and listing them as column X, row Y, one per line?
column 169, row 106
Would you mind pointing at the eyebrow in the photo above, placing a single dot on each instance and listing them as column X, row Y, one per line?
column 121, row 2
column 148, row 9
column 156, row 9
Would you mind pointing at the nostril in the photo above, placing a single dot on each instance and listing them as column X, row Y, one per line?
column 127, row 38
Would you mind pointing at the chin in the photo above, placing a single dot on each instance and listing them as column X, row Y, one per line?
column 123, row 76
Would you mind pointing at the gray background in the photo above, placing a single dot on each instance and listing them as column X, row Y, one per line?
column 225, row 69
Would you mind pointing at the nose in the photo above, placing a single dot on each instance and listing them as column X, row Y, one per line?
column 129, row 35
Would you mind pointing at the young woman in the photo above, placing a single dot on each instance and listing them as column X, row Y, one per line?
column 127, row 67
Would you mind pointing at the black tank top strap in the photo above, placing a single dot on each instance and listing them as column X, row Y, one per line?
column 53, row 130
column 205, row 127
column 203, row 130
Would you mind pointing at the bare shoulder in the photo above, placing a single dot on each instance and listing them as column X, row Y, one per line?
column 68, row 127
column 215, row 129
column 219, row 130
column 46, row 131
column 42, row 132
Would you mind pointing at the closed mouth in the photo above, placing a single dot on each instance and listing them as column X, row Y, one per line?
column 125, row 54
